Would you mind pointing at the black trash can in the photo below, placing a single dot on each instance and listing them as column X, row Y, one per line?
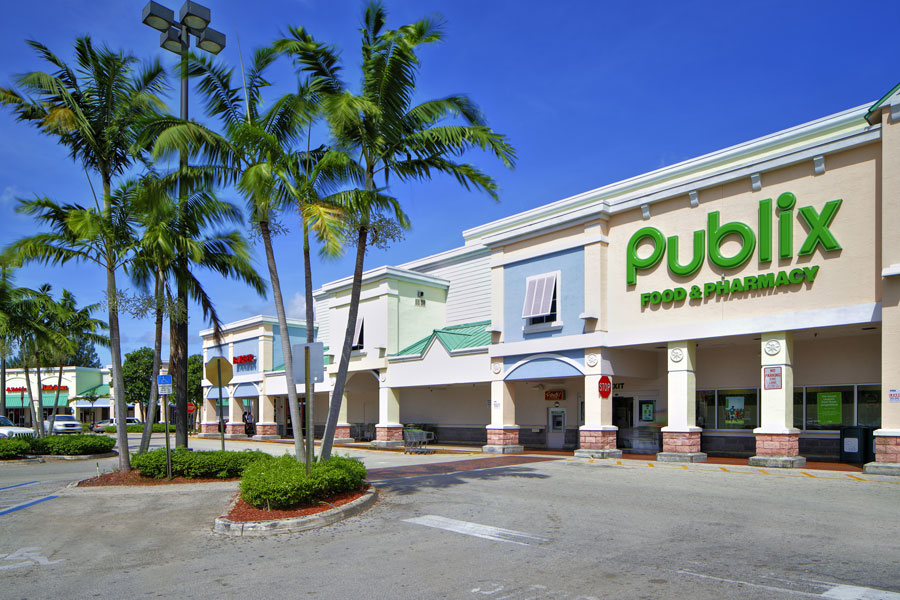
column 867, row 442
column 853, row 445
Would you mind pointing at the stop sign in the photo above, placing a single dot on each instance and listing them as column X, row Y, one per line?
column 190, row 407
column 605, row 387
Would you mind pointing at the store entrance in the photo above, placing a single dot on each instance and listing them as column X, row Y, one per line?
column 289, row 426
column 623, row 418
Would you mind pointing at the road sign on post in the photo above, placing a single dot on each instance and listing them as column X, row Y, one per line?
column 316, row 362
column 164, row 385
column 219, row 372
column 605, row 387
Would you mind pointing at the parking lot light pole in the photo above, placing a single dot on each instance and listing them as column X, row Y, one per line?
column 175, row 36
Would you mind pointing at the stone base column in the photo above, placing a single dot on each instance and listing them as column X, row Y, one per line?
column 598, row 442
column 887, row 454
column 778, row 450
column 388, row 436
column 267, row 431
column 209, row 430
column 504, row 440
column 342, row 434
column 681, row 446
column 235, row 431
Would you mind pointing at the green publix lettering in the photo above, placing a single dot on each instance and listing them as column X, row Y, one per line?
column 709, row 242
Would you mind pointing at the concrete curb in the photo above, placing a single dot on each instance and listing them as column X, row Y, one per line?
column 79, row 456
column 226, row 526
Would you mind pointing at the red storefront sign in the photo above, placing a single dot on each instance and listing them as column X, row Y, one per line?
column 554, row 395
column 243, row 358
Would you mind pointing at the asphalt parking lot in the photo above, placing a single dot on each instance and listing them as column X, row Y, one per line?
column 559, row 528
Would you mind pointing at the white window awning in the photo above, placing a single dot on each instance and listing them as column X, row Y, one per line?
column 539, row 295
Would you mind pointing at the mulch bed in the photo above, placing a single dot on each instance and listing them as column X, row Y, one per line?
column 135, row 478
column 243, row 512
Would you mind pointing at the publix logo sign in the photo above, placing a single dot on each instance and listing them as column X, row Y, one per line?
column 774, row 223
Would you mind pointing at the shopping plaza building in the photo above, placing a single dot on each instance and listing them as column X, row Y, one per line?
column 743, row 303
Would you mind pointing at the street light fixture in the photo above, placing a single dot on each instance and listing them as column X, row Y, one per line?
column 175, row 36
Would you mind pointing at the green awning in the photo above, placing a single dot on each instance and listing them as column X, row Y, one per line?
column 16, row 400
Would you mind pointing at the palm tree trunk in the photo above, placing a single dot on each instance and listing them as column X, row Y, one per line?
column 285, row 341
column 157, row 349
column 115, row 349
column 3, row 386
column 34, row 421
column 310, row 338
column 56, row 400
column 40, row 393
column 179, row 356
column 339, row 381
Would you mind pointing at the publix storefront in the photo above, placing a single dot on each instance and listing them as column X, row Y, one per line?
column 742, row 303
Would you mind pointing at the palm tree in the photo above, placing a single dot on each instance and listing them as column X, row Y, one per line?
column 174, row 227
column 244, row 154
column 76, row 324
column 94, row 110
column 391, row 137
column 11, row 298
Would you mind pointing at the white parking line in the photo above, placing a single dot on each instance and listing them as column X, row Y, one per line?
column 474, row 529
column 832, row 590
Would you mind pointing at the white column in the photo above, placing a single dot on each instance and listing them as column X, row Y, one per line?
column 682, row 387
column 777, row 403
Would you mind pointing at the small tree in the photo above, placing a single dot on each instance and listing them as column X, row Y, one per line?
column 195, row 387
column 137, row 370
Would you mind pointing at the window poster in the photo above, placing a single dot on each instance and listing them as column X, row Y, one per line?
column 828, row 407
column 647, row 410
column 734, row 410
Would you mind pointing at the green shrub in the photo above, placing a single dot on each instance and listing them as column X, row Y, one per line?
column 282, row 483
column 72, row 444
column 196, row 465
column 139, row 428
column 13, row 447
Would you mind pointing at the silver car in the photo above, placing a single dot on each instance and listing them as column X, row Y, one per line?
column 64, row 424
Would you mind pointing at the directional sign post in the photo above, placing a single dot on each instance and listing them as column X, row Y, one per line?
column 219, row 372
column 164, row 389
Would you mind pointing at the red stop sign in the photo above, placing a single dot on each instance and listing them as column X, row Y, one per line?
column 605, row 387
column 190, row 407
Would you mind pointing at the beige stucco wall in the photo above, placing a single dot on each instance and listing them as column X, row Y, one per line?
column 455, row 405
column 846, row 277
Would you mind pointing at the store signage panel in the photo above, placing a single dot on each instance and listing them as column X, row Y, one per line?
column 893, row 395
column 772, row 378
column 774, row 221
column 553, row 395
column 828, row 408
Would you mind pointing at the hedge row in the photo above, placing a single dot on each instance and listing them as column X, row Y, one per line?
column 196, row 465
column 139, row 428
column 69, row 444
column 282, row 483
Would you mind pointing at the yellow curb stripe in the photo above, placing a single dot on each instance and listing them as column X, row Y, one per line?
column 855, row 477
column 650, row 464
column 764, row 472
column 724, row 469
column 618, row 462
column 808, row 474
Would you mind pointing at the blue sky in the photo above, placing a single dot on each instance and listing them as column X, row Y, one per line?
column 588, row 92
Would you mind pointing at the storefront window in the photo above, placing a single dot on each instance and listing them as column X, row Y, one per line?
column 706, row 409
column 736, row 409
column 868, row 410
column 798, row 407
column 829, row 407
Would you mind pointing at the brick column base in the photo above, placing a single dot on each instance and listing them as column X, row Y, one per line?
column 209, row 428
column 887, row 456
column 597, row 443
column 503, row 441
column 777, row 450
column 266, row 430
column 234, row 430
column 681, row 446
column 342, row 432
column 388, row 436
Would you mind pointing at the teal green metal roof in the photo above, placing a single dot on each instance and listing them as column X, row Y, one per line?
column 97, row 390
column 877, row 105
column 454, row 337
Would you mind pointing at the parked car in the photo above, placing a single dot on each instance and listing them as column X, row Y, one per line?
column 100, row 426
column 9, row 430
column 64, row 424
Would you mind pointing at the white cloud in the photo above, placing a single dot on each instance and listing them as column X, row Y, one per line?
column 8, row 195
column 296, row 307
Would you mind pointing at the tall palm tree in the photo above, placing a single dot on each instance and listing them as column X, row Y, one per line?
column 172, row 227
column 95, row 110
column 391, row 136
column 251, row 140
column 11, row 299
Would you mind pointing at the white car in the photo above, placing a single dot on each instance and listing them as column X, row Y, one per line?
column 64, row 424
column 9, row 430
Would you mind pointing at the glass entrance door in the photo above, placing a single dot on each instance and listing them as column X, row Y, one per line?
column 556, row 428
